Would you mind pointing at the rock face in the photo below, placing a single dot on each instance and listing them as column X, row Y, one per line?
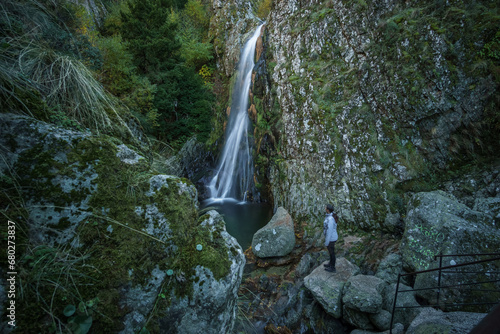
column 366, row 100
column 194, row 162
column 327, row 288
column 437, row 223
column 129, row 239
column 356, row 121
column 277, row 238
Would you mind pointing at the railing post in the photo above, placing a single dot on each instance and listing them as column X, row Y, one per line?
column 394, row 304
column 439, row 277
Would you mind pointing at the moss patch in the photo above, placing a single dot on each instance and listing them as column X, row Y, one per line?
column 128, row 232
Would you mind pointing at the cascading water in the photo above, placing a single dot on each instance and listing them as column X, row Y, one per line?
column 233, row 178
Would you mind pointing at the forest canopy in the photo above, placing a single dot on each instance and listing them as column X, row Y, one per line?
column 148, row 58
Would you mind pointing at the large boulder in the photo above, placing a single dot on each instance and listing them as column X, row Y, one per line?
column 327, row 288
column 436, row 223
column 277, row 238
column 406, row 303
column 390, row 267
column 104, row 232
column 436, row 321
column 310, row 261
column 212, row 306
column 362, row 295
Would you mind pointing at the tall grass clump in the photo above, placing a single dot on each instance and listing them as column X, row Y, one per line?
column 43, row 73
column 67, row 84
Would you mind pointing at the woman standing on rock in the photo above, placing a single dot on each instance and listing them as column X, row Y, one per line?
column 331, row 236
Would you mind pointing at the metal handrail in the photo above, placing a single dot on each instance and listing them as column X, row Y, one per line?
column 439, row 287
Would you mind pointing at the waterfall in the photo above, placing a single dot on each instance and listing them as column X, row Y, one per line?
column 233, row 178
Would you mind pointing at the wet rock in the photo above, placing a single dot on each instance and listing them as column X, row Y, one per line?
column 277, row 238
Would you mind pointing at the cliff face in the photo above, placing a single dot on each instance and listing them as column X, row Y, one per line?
column 374, row 99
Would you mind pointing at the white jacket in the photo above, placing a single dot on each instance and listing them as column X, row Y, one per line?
column 330, row 229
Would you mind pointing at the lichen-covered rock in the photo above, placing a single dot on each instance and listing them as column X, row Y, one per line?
column 212, row 307
column 110, row 235
column 390, row 267
column 364, row 293
column 436, row 223
column 327, row 288
column 489, row 206
column 436, row 321
column 230, row 25
column 310, row 261
column 381, row 320
column 402, row 314
column 277, row 238
column 362, row 296
column 357, row 318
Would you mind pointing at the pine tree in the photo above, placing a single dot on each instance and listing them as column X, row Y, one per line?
column 151, row 35
column 182, row 100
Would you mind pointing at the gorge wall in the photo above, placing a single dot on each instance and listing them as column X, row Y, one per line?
column 362, row 103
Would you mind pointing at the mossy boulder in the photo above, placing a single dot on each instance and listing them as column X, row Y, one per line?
column 109, row 234
column 437, row 223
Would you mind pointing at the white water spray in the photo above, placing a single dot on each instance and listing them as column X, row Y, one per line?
column 233, row 178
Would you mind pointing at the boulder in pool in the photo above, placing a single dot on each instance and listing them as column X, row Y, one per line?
column 277, row 238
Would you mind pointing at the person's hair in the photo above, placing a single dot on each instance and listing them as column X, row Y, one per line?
column 329, row 207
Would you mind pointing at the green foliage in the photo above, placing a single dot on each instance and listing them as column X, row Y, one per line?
column 47, row 271
column 198, row 14
column 195, row 52
column 263, row 8
column 58, row 117
column 168, row 50
column 492, row 48
column 117, row 72
column 150, row 33
column 48, row 57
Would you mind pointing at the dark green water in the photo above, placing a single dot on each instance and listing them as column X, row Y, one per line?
column 243, row 220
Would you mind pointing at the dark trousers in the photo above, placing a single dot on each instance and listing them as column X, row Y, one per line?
column 331, row 250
